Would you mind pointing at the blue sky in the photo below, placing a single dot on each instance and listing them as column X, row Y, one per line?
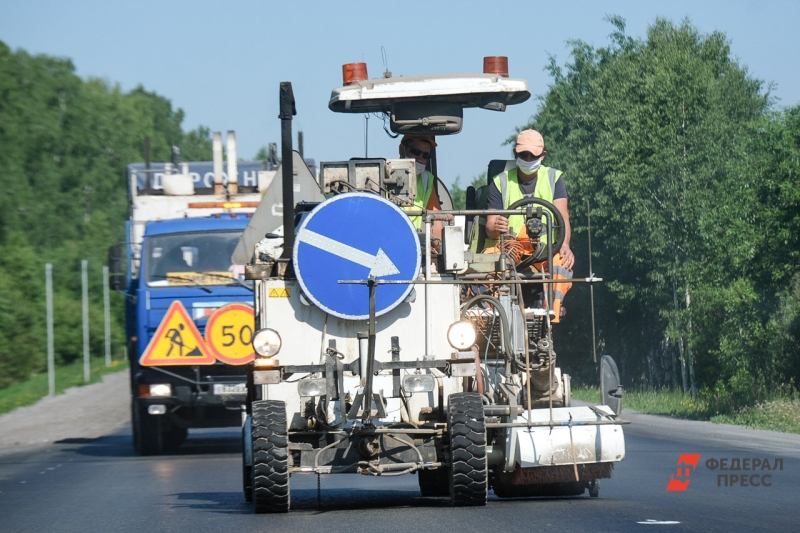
column 222, row 61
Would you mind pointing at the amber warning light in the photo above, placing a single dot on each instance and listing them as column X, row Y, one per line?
column 496, row 65
column 353, row 72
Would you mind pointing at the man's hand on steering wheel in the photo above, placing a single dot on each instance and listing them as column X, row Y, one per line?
column 567, row 257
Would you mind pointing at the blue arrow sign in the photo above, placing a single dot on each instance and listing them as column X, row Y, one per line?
column 353, row 236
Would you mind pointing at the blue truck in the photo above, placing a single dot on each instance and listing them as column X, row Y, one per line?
column 188, row 309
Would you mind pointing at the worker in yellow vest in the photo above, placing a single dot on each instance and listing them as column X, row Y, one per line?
column 531, row 178
column 419, row 148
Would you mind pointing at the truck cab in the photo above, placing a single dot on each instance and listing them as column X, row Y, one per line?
column 188, row 309
column 187, row 261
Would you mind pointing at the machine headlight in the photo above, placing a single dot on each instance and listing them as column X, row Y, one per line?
column 461, row 335
column 418, row 383
column 161, row 389
column 266, row 342
column 312, row 387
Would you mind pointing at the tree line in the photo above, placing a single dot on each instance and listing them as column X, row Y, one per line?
column 64, row 146
column 687, row 165
column 689, row 171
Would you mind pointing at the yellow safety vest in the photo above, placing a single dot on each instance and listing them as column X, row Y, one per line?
column 508, row 185
column 421, row 201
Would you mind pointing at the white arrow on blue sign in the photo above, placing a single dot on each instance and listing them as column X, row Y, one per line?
column 350, row 237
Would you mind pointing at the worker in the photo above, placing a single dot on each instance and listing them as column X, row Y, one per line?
column 531, row 178
column 419, row 148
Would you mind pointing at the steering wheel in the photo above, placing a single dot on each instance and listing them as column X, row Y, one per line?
column 557, row 221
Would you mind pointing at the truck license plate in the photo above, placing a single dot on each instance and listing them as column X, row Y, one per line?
column 222, row 389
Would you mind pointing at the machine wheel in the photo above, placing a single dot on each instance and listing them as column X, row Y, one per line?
column 247, row 475
column 434, row 483
column 270, row 438
column 469, row 471
column 594, row 488
column 147, row 437
column 566, row 383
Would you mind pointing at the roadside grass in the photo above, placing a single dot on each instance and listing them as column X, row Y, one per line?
column 781, row 413
column 32, row 390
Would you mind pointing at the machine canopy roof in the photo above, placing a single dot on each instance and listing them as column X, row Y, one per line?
column 465, row 90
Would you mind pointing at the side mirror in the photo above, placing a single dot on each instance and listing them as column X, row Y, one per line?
column 117, row 280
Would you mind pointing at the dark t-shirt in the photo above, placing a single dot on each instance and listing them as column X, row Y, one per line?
column 495, row 199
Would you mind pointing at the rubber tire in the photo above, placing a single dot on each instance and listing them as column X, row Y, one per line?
column 434, row 483
column 173, row 437
column 147, row 435
column 270, row 457
column 247, row 475
column 594, row 488
column 469, row 484
column 566, row 384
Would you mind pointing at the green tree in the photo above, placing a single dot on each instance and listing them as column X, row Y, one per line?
column 654, row 133
column 459, row 194
column 64, row 146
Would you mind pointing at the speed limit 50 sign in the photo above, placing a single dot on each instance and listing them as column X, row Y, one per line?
column 229, row 334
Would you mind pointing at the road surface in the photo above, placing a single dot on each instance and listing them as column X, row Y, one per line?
column 97, row 483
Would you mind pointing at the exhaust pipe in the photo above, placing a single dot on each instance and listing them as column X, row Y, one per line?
column 233, row 171
column 287, row 111
column 217, row 148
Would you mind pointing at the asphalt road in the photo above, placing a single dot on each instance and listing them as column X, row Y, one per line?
column 100, row 485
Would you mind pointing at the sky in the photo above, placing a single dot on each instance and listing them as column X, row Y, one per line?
column 222, row 62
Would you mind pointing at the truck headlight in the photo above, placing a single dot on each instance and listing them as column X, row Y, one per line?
column 461, row 335
column 161, row 389
column 266, row 342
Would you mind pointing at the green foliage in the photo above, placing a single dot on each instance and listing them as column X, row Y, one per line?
column 64, row 146
column 780, row 413
column 692, row 182
column 459, row 195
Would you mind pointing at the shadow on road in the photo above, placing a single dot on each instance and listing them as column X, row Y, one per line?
column 122, row 446
column 306, row 500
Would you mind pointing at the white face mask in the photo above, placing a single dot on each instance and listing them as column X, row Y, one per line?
column 420, row 167
column 529, row 167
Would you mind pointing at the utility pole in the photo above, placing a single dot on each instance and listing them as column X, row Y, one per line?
column 51, row 360
column 85, row 290
column 107, row 316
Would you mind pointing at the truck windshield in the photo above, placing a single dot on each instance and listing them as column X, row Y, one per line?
column 192, row 259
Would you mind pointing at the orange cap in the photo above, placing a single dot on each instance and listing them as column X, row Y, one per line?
column 426, row 138
column 530, row 141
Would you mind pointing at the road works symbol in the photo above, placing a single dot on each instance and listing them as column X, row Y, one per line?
column 679, row 484
column 229, row 334
column 177, row 341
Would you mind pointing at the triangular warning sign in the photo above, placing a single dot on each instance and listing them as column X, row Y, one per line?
column 177, row 341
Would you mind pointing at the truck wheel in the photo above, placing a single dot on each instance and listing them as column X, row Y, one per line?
column 147, row 437
column 594, row 488
column 270, row 457
column 247, row 475
column 172, row 436
column 434, row 483
column 469, row 472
